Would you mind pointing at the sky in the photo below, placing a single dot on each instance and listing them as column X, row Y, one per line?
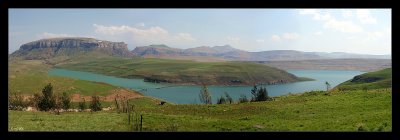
column 365, row 31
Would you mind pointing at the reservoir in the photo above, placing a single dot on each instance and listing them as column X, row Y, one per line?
column 189, row 94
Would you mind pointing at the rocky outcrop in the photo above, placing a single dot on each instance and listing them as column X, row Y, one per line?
column 48, row 48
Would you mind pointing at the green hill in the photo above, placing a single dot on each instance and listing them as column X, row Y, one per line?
column 371, row 80
column 185, row 71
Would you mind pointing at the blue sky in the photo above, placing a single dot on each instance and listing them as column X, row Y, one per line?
column 365, row 31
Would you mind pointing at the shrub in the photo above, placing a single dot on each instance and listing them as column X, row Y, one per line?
column 205, row 96
column 66, row 101
column 221, row 100
column 16, row 102
column 82, row 105
column 243, row 99
column 95, row 104
column 228, row 98
column 47, row 101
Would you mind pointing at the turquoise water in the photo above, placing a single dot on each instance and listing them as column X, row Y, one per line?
column 189, row 94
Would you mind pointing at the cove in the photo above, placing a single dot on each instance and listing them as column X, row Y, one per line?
column 189, row 94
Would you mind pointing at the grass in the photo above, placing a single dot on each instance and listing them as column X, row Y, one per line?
column 312, row 111
column 370, row 80
column 30, row 76
column 185, row 71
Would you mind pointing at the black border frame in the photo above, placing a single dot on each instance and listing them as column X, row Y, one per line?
column 5, row 5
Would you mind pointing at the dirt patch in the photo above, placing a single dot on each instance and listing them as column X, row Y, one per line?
column 120, row 93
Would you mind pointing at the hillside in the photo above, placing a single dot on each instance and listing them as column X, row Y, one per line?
column 372, row 80
column 331, row 64
column 230, row 53
column 186, row 72
column 58, row 47
column 312, row 111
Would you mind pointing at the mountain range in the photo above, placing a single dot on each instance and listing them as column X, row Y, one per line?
column 48, row 48
column 229, row 53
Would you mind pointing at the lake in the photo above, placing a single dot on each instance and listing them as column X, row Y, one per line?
column 189, row 94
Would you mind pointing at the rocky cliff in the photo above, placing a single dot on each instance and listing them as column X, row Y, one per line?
column 48, row 48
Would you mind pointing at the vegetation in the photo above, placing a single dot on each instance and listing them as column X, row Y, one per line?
column 95, row 104
column 82, row 105
column 205, row 96
column 66, row 101
column 372, row 80
column 260, row 94
column 28, row 77
column 185, row 71
column 312, row 111
column 47, row 100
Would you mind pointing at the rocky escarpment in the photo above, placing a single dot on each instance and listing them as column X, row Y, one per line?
column 48, row 48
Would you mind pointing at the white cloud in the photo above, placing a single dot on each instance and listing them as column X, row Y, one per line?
column 347, row 13
column 185, row 36
column 53, row 35
column 365, row 17
column 233, row 40
column 331, row 23
column 290, row 35
column 144, row 36
column 318, row 33
column 260, row 40
column 343, row 26
column 276, row 38
column 285, row 36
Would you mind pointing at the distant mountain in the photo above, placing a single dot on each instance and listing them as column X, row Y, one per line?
column 350, row 55
column 232, row 54
column 49, row 48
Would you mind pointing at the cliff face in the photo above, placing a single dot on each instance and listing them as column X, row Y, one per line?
column 48, row 48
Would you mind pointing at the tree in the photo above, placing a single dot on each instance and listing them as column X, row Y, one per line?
column 47, row 101
column 228, row 98
column 95, row 104
column 66, row 101
column 82, row 105
column 254, row 92
column 328, row 86
column 262, row 94
column 204, row 95
column 221, row 100
column 243, row 99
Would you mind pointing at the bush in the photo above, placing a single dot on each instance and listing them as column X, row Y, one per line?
column 66, row 101
column 95, row 104
column 48, row 101
column 228, row 98
column 221, row 100
column 243, row 99
column 82, row 105
column 205, row 96
column 260, row 95
column 16, row 102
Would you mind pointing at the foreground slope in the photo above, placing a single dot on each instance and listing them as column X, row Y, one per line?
column 354, row 110
column 186, row 72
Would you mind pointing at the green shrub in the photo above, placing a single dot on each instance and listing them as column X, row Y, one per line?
column 48, row 101
column 82, row 105
column 95, row 103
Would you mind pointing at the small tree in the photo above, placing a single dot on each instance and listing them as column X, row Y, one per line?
column 47, row 101
column 95, row 104
column 228, row 98
column 66, row 101
column 221, row 100
column 328, row 86
column 262, row 95
column 254, row 92
column 82, row 105
column 204, row 95
column 243, row 99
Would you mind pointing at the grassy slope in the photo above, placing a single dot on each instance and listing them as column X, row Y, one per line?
column 313, row 111
column 30, row 76
column 181, row 71
column 384, row 81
